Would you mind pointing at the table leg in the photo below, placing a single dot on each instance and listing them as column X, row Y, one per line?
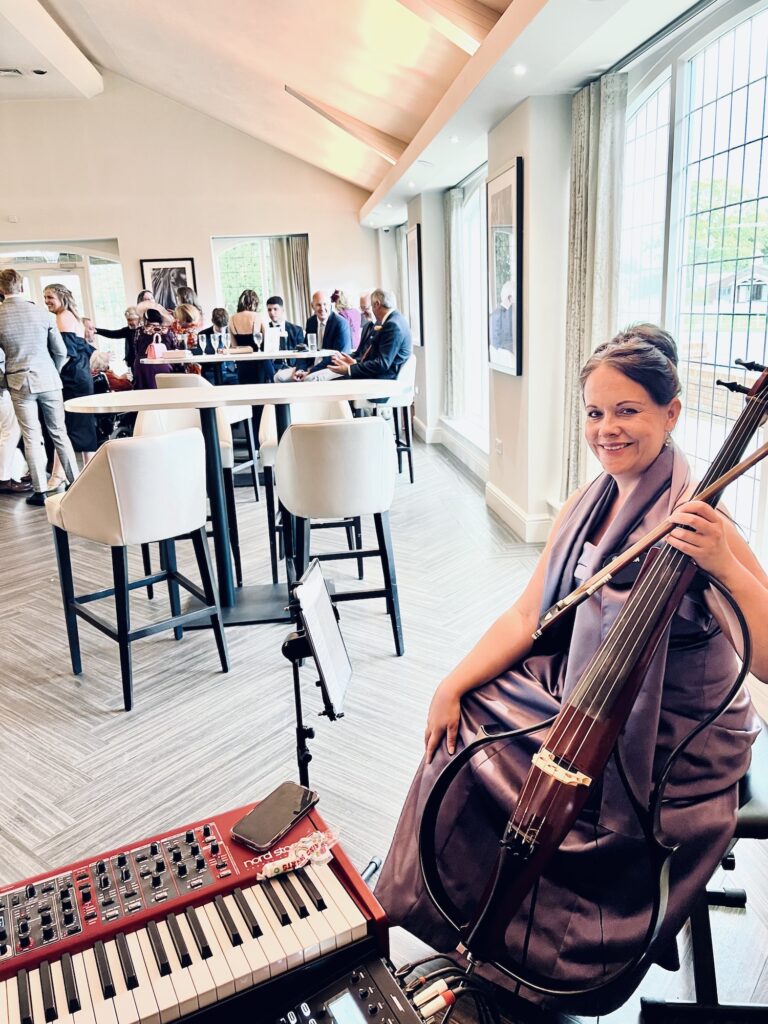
column 283, row 421
column 218, row 373
column 219, row 520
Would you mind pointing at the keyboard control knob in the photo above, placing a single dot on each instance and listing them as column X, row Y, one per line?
column 31, row 891
column 101, row 867
column 125, row 874
column 182, row 870
column 23, row 927
column 154, row 849
column 156, row 881
column 206, row 830
column 69, row 917
column 372, row 1009
column 3, row 949
column 354, row 977
column 86, row 894
column 104, row 882
column 214, row 848
column 177, row 856
column 189, row 836
column 122, row 860
column 194, row 849
column 47, row 933
column 200, row 863
column 45, row 918
column 159, row 865
column 3, row 935
column 23, row 941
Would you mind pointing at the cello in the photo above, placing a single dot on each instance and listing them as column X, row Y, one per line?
column 581, row 740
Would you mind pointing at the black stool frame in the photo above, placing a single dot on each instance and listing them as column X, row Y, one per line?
column 122, row 632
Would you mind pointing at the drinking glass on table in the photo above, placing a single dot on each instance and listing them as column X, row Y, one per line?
column 312, row 342
column 258, row 340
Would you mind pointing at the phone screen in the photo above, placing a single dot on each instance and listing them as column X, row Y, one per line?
column 265, row 824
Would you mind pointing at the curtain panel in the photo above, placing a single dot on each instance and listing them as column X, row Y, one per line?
column 290, row 271
column 453, row 200
column 598, row 120
column 402, row 270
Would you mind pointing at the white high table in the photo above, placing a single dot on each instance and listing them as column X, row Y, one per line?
column 251, row 604
column 180, row 357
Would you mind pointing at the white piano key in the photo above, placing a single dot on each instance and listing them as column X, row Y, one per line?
column 251, row 948
column 203, row 980
column 274, row 951
column 303, row 930
column 339, row 922
column 103, row 1009
column 36, row 997
column 216, row 962
column 143, row 994
column 326, row 940
column 3, row 1002
column 162, row 986
column 64, row 1016
column 12, row 993
column 124, row 1003
column 236, row 959
column 342, row 899
column 85, row 1014
column 285, row 935
column 183, row 986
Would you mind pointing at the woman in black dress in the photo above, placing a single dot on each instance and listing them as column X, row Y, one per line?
column 75, row 374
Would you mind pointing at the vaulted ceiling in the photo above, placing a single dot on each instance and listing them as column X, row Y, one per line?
column 343, row 84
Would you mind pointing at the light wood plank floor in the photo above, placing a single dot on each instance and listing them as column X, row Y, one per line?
column 80, row 776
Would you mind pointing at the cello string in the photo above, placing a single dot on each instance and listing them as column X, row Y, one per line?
column 665, row 564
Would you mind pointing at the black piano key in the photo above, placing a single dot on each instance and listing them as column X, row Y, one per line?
column 49, row 999
column 293, row 895
column 315, row 896
column 197, row 933
column 178, row 941
column 158, row 949
column 230, row 927
column 274, row 902
column 70, row 984
column 105, row 975
column 25, row 999
column 126, row 961
column 245, row 909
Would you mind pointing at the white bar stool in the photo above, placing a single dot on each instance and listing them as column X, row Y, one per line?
column 337, row 470
column 301, row 412
column 404, row 404
column 233, row 414
column 123, row 497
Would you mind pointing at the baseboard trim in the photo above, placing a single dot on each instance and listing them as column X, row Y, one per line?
column 468, row 454
column 430, row 435
column 533, row 529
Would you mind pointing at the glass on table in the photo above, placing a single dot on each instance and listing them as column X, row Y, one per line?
column 312, row 342
column 258, row 341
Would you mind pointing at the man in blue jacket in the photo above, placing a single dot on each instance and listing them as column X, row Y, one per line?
column 385, row 348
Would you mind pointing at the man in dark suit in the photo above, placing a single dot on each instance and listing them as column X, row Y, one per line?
column 332, row 330
column 287, row 335
column 387, row 347
column 367, row 320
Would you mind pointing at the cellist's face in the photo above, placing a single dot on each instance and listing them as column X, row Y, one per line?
column 625, row 428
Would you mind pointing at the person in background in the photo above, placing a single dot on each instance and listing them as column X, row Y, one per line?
column 100, row 367
column 145, row 295
column 75, row 376
column 331, row 330
column 130, row 334
column 12, row 466
column 154, row 333
column 212, row 340
column 34, row 354
column 187, row 321
column 281, row 334
column 187, row 297
column 367, row 319
column 350, row 314
column 388, row 345
column 247, row 330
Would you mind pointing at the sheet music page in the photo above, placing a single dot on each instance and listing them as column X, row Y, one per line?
column 324, row 635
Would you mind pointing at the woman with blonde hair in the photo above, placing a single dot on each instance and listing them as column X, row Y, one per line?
column 350, row 314
column 75, row 375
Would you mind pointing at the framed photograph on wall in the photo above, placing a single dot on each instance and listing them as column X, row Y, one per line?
column 165, row 277
column 413, row 250
column 505, row 270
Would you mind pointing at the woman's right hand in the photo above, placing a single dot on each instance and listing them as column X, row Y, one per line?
column 442, row 720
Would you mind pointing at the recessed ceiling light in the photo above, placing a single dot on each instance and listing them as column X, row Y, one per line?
column 411, row 184
column 519, row 70
column 454, row 139
column 389, row 206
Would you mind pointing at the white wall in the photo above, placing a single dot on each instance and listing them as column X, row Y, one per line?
column 526, row 412
column 163, row 179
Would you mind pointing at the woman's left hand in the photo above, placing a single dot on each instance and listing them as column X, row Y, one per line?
column 707, row 542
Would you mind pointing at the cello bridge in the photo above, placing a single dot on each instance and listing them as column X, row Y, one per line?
column 546, row 761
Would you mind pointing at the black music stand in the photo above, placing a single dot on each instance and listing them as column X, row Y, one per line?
column 318, row 636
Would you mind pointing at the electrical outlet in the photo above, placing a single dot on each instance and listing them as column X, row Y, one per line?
column 498, row 446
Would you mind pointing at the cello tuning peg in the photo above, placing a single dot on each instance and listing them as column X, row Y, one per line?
column 731, row 385
column 751, row 365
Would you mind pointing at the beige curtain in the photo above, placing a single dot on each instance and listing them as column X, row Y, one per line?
column 598, row 121
column 453, row 199
column 402, row 270
column 290, row 272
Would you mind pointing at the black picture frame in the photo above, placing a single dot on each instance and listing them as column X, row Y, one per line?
column 164, row 277
column 413, row 254
column 504, row 211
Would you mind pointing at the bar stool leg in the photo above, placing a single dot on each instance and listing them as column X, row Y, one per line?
column 384, row 539
column 408, row 430
column 146, row 559
column 61, row 542
column 398, row 441
column 358, row 524
column 303, row 529
column 269, row 490
column 203, row 556
column 234, row 533
column 251, row 446
column 120, row 574
column 169, row 549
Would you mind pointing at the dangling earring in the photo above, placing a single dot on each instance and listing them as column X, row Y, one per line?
column 668, row 439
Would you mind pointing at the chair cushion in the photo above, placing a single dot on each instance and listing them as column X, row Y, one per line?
column 53, row 510
column 752, row 816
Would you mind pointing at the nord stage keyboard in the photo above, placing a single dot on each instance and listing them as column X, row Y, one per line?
column 176, row 926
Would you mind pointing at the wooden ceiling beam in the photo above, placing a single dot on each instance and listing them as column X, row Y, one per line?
column 465, row 22
column 387, row 146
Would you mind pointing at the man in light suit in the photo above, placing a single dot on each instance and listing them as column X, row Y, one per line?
column 34, row 354
column 386, row 347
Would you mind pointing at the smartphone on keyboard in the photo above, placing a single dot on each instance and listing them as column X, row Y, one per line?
column 268, row 822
